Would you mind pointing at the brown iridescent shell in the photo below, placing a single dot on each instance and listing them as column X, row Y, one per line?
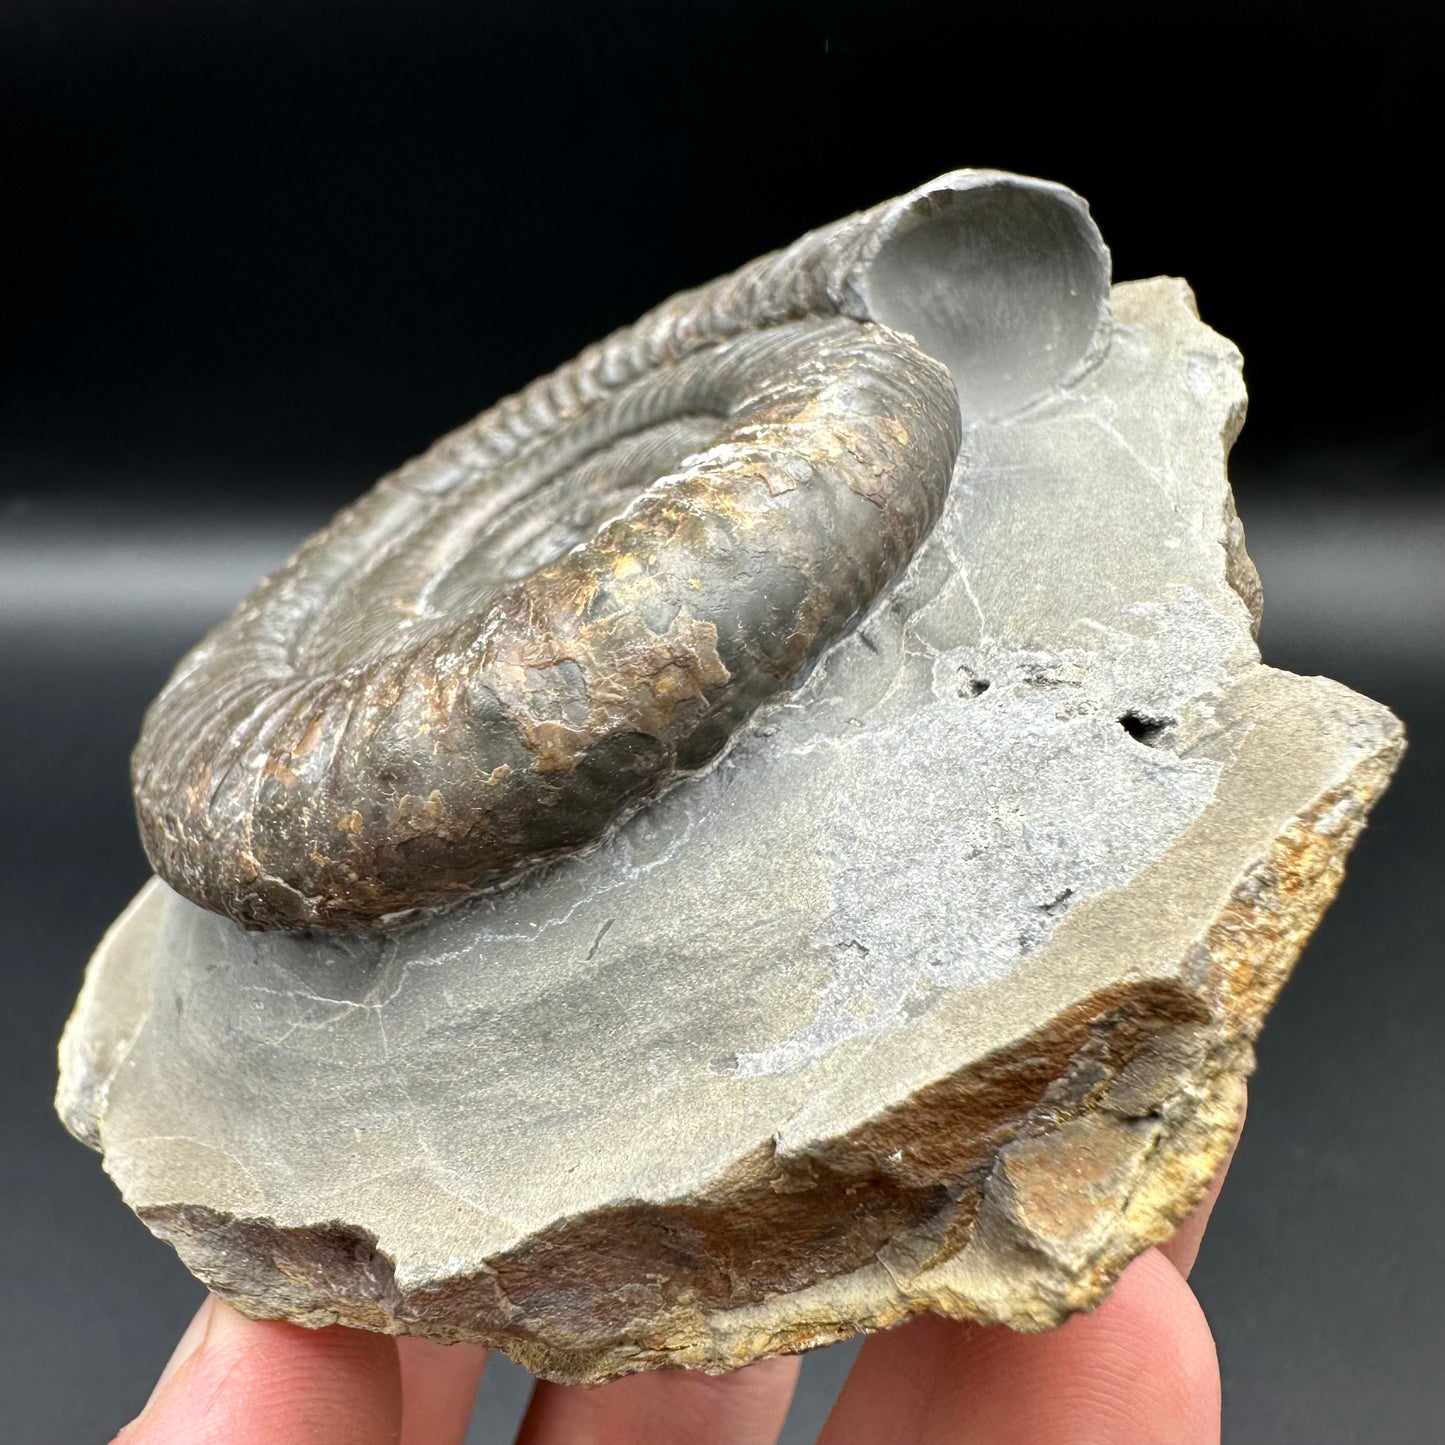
column 577, row 598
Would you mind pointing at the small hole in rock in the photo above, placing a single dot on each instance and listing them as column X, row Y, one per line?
column 1146, row 730
column 971, row 686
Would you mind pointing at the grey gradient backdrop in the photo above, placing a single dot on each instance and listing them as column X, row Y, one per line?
column 266, row 251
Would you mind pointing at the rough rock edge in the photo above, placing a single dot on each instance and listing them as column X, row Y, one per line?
column 1240, row 573
column 90, row 1059
column 1145, row 1131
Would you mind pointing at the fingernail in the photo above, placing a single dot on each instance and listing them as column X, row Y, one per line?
column 189, row 1343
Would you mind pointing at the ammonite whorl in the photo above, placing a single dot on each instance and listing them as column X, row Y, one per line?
column 578, row 597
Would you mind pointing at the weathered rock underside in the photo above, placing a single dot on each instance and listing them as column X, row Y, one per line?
column 936, row 993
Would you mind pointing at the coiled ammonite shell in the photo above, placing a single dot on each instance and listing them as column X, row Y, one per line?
column 577, row 598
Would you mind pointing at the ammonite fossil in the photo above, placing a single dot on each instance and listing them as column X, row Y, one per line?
column 577, row 598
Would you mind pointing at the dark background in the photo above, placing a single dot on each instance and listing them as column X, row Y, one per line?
column 261, row 252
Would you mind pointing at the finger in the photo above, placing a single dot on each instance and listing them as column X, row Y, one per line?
column 1183, row 1249
column 1140, row 1369
column 438, row 1389
column 188, row 1344
column 669, row 1407
column 253, row 1382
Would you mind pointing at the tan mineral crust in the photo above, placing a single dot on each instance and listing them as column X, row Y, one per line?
column 936, row 992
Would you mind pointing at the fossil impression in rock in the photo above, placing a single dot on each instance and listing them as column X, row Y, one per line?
column 780, row 826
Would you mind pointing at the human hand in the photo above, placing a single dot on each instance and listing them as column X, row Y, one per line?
column 1139, row 1370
